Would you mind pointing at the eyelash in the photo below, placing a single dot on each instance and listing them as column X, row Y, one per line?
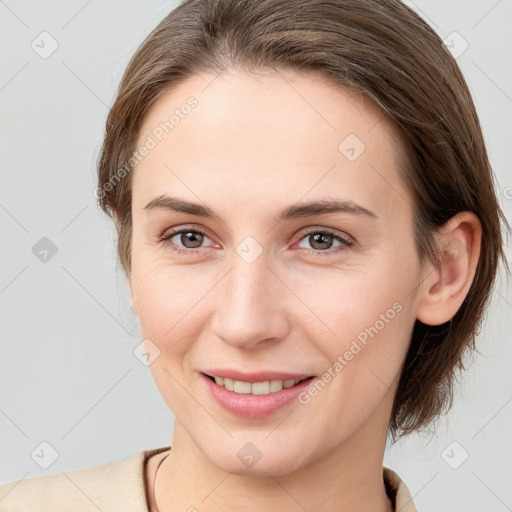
column 345, row 241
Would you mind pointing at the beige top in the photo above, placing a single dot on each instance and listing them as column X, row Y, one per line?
column 118, row 486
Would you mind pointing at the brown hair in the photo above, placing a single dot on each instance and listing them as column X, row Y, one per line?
column 382, row 49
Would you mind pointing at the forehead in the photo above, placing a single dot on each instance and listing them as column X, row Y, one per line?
column 283, row 133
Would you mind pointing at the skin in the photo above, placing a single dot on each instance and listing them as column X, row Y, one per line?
column 254, row 145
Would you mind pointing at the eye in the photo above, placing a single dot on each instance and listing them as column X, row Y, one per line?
column 187, row 240
column 322, row 240
column 190, row 239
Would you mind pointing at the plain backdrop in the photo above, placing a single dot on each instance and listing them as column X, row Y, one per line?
column 70, row 385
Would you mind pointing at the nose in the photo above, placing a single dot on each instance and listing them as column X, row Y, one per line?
column 251, row 308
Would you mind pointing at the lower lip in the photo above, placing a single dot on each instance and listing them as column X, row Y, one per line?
column 254, row 406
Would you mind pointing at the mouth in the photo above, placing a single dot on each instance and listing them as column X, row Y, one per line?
column 266, row 387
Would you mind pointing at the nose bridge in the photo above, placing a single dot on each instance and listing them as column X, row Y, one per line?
column 249, row 281
column 249, row 309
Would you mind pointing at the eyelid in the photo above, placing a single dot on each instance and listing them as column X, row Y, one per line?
column 344, row 238
column 170, row 232
column 317, row 229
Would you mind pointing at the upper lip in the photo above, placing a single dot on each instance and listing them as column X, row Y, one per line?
column 254, row 376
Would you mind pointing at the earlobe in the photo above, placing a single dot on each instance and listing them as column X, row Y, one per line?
column 445, row 287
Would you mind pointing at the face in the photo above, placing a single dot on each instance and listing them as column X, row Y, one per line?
column 251, row 280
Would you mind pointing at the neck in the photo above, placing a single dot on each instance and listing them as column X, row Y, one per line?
column 348, row 478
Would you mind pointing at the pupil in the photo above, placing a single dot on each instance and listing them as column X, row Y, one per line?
column 317, row 239
column 191, row 237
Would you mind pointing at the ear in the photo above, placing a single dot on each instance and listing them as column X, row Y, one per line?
column 445, row 288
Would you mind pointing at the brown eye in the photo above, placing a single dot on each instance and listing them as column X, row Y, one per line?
column 185, row 240
column 191, row 239
column 321, row 241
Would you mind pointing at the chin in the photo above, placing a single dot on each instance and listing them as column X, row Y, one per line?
column 246, row 459
column 276, row 466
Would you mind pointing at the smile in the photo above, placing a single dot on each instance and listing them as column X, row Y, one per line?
column 255, row 388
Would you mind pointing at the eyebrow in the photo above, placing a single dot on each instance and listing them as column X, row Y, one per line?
column 292, row 212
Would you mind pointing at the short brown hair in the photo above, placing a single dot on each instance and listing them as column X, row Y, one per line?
column 382, row 49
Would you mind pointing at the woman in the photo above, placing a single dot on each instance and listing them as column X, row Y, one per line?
column 310, row 233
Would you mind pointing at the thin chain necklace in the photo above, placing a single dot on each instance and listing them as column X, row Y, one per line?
column 154, row 482
column 156, row 473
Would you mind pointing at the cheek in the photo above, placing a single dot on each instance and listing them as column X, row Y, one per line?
column 170, row 302
column 370, row 315
column 169, row 316
column 163, row 293
column 166, row 301
column 349, row 300
column 371, row 337
column 363, row 358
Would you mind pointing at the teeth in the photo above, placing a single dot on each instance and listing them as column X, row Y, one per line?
column 242, row 387
column 255, row 388
column 276, row 385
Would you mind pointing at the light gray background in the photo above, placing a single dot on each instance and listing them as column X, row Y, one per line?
column 68, row 376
